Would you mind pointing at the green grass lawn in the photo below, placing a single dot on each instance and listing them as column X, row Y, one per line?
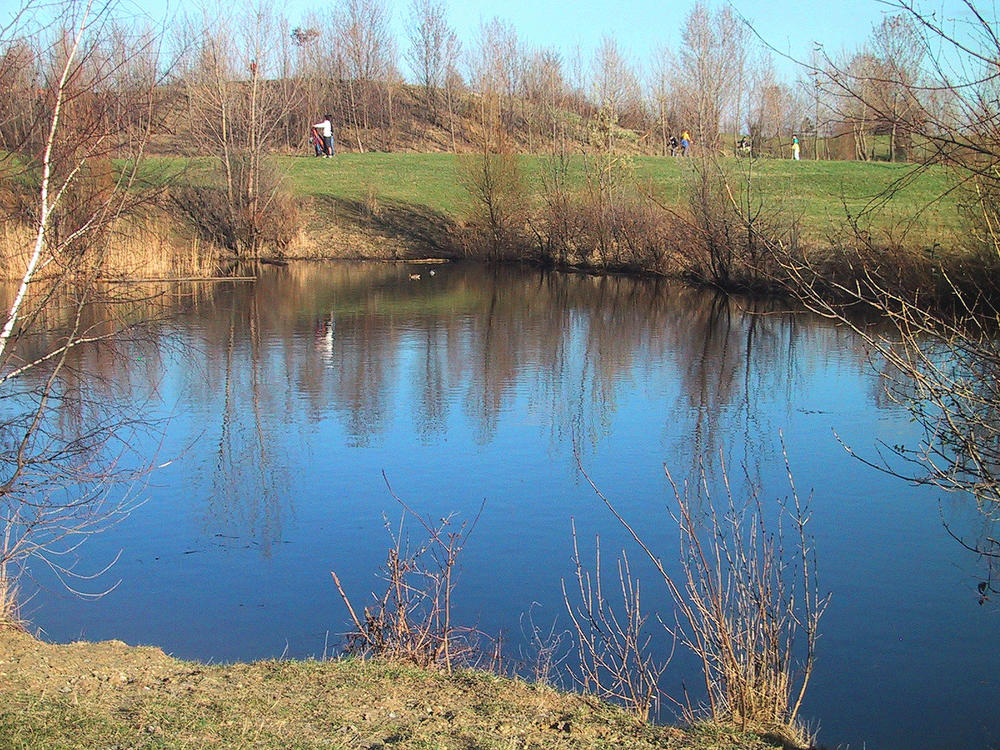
column 819, row 194
column 429, row 180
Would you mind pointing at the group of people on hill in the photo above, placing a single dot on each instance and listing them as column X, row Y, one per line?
column 322, row 137
column 743, row 147
column 682, row 147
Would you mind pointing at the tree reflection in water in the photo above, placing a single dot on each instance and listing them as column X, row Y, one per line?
column 287, row 398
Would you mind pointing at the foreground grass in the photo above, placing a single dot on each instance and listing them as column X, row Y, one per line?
column 819, row 195
column 109, row 695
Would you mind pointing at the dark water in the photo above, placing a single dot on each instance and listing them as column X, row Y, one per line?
column 287, row 401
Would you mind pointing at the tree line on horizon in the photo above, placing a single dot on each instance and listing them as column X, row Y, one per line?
column 222, row 81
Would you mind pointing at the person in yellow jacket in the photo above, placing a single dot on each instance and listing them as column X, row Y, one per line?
column 685, row 143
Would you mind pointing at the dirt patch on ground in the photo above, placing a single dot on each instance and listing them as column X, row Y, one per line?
column 110, row 695
column 342, row 229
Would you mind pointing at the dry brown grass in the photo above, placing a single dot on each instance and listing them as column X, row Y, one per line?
column 15, row 247
column 155, row 250
column 151, row 248
column 113, row 695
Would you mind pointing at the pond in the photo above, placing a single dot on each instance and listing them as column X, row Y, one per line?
column 293, row 410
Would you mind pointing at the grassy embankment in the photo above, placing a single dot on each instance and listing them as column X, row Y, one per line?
column 403, row 197
column 109, row 695
column 411, row 205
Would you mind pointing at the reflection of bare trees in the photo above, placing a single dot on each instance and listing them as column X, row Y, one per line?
column 431, row 413
column 730, row 354
column 366, row 349
column 246, row 500
column 565, row 347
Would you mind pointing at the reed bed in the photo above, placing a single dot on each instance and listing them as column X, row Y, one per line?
column 153, row 248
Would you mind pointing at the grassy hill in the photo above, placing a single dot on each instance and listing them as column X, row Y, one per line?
column 817, row 194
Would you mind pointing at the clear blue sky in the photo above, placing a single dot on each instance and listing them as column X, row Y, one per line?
column 642, row 25
column 638, row 25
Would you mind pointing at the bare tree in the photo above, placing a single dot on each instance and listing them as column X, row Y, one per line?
column 237, row 78
column 62, row 479
column 616, row 89
column 492, row 180
column 773, row 111
column 19, row 104
column 431, row 39
column 453, row 83
column 898, row 52
column 878, row 89
column 711, row 65
column 367, row 55
column 542, row 92
column 662, row 86
column 495, row 69
column 312, row 74
column 816, row 103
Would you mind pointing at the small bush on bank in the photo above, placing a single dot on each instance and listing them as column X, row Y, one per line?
column 608, row 221
column 631, row 234
column 496, row 213
column 736, row 237
column 245, row 220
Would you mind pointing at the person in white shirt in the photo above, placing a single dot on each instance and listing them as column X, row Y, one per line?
column 325, row 130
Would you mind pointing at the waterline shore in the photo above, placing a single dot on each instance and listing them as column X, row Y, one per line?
column 113, row 695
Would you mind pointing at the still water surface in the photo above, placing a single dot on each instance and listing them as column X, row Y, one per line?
column 287, row 400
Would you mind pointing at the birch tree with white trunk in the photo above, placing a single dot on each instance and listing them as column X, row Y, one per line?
column 61, row 480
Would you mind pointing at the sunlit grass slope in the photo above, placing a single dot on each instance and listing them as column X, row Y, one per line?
column 918, row 207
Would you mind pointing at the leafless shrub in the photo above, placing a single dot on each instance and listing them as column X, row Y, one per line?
column 732, row 233
column 411, row 620
column 627, row 234
column 609, row 222
column 244, row 227
column 493, row 182
column 545, row 650
column 614, row 660
column 555, row 224
column 746, row 601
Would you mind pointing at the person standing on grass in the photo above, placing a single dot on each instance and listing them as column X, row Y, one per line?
column 325, row 130
column 317, row 142
column 685, row 143
column 795, row 147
